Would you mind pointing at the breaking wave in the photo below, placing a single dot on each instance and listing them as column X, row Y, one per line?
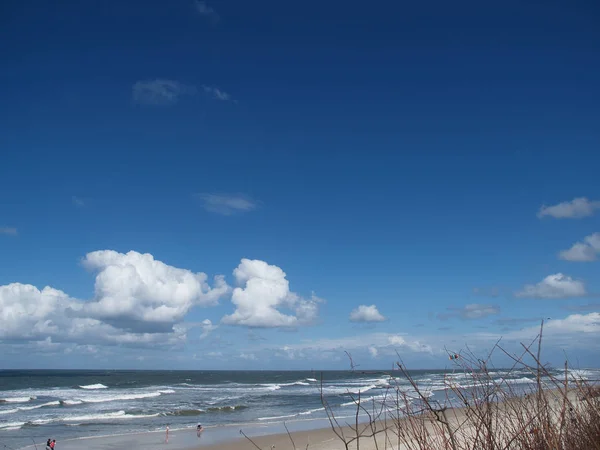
column 94, row 386
column 17, row 399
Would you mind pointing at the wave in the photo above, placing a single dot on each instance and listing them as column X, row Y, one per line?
column 11, row 426
column 94, row 386
column 350, row 389
column 117, row 415
column 70, row 402
column 295, row 383
column 227, row 408
column 186, row 412
column 29, row 408
column 271, row 386
column 310, row 411
column 311, row 379
column 17, row 399
column 118, row 397
column 167, row 391
column 522, row 380
column 277, row 417
column 580, row 374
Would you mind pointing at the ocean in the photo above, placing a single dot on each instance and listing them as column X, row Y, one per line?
column 67, row 404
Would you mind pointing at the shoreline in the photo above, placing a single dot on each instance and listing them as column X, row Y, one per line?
column 316, row 433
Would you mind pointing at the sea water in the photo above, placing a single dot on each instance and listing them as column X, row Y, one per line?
column 66, row 404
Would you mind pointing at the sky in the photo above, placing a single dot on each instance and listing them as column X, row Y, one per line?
column 240, row 185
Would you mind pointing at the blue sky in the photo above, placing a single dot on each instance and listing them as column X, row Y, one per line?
column 430, row 160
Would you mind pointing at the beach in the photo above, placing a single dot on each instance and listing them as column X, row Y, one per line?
column 131, row 410
column 308, row 434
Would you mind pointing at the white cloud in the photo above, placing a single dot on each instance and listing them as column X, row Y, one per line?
column 135, row 288
column 217, row 93
column 575, row 209
column 30, row 314
column 160, row 92
column 226, row 205
column 577, row 330
column 8, row 230
column 478, row 311
column 366, row 313
column 264, row 290
column 204, row 10
column 373, row 351
column 248, row 356
column 207, row 328
column 583, row 251
column 554, row 286
column 383, row 343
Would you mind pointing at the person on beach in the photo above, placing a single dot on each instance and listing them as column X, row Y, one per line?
column 48, row 444
column 52, row 444
column 199, row 429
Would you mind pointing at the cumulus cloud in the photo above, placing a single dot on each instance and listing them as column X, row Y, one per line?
column 8, row 230
column 207, row 328
column 583, row 251
column 139, row 302
column 554, row 286
column 133, row 290
column 264, row 290
column 575, row 209
column 30, row 314
column 160, row 92
column 217, row 93
column 366, row 313
column 226, row 204
column 373, row 352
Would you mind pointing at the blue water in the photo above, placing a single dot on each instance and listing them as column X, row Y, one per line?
column 38, row 404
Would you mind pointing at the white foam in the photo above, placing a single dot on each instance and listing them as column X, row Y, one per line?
column 118, row 397
column 71, row 402
column 17, row 399
column 94, row 386
column 271, row 386
column 310, row 411
column 277, row 417
column 350, row 389
column 166, row 391
column 521, row 380
column 311, row 379
column 117, row 415
column 580, row 374
column 11, row 426
column 295, row 383
column 29, row 408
